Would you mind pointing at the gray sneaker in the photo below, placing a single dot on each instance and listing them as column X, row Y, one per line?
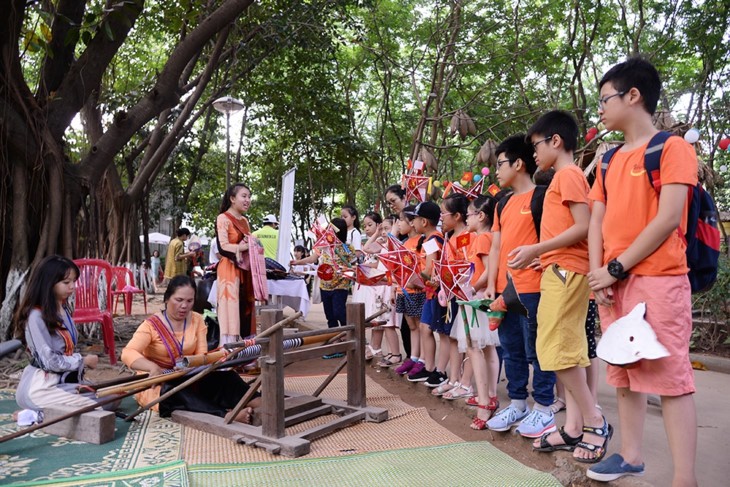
column 536, row 424
column 506, row 418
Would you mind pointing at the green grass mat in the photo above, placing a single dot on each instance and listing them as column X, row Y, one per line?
column 467, row 464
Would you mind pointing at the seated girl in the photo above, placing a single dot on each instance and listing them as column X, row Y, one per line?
column 43, row 321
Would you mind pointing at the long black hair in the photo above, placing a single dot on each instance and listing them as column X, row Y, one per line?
column 231, row 192
column 485, row 204
column 39, row 292
column 353, row 212
column 341, row 226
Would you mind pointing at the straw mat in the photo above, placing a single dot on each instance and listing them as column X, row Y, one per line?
column 461, row 464
column 406, row 427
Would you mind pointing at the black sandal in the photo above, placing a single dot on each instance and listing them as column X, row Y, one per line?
column 570, row 442
column 599, row 451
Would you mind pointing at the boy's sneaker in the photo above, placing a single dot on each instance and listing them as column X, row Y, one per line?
column 536, row 424
column 612, row 468
column 405, row 367
column 506, row 418
column 435, row 379
column 419, row 373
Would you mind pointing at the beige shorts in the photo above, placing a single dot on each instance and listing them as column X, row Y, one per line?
column 561, row 319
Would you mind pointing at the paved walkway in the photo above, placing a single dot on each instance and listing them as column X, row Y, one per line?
column 713, row 457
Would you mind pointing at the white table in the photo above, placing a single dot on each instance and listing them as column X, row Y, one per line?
column 291, row 292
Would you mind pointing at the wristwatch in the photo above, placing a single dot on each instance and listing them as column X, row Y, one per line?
column 616, row 269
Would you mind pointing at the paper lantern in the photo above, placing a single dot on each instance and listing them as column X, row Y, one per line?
column 590, row 136
column 409, row 165
column 723, row 168
column 601, row 126
column 724, row 144
column 692, row 136
column 477, row 178
column 485, row 171
column 468, row 175
column 593, row 130
column 437, row 183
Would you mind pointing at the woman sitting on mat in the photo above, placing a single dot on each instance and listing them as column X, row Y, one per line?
column 43, row 321
column 159, row 345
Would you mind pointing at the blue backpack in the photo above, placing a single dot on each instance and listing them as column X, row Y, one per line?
column 703, row 234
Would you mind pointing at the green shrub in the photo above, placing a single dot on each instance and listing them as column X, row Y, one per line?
column 711, row 311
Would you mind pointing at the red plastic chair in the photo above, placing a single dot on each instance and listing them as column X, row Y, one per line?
column 87, row 308
column 124, row 286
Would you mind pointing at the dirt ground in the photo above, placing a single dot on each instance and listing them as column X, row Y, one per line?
column 453, row 415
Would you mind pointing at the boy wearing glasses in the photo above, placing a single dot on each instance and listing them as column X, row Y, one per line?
column 637, row 255
column 562, row 345
column 513, row 227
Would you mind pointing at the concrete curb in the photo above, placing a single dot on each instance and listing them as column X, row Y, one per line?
column 713, row 363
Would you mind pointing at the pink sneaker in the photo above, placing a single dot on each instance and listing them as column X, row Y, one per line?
column 405, row 367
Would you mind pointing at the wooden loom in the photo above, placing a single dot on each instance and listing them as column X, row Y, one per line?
column 280, row 409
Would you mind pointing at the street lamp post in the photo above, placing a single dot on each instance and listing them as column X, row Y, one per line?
column 228, row 105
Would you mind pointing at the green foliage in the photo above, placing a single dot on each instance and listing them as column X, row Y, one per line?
column 711, row 331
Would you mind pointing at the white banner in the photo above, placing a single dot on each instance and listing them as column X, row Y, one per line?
column 286, row 217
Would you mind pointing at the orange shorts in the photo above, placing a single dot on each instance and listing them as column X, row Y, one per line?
column 669, row 312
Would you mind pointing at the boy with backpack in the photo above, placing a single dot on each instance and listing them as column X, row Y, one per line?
column 637, row 254
column 561, row 344
column 516, row 224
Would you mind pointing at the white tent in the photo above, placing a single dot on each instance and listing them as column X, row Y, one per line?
column 156, row 238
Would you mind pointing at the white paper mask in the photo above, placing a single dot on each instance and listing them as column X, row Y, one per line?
column 630, row 339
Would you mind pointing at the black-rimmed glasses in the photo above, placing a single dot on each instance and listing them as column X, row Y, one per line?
column 602, row 101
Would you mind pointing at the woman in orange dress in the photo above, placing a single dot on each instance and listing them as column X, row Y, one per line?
column 160, row 343
column 236, row 300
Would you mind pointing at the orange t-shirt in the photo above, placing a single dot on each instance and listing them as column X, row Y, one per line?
column 516, row 228
column 479, row 247
column 569, row 185
column 633, row 203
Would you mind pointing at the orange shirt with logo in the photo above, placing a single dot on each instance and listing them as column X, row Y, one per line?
column 632, row 203
column 569, row 185
column 516, row 228
column 479, row 247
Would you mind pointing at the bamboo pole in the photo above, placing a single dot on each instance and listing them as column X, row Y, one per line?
column 109, row 383
column 205, row 372
column 82, row 410
column 144, row 382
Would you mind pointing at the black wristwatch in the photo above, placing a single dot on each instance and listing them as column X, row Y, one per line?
column 616, row 269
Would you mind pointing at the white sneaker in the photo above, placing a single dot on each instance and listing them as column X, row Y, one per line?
column 536, row 424
column 506, row 418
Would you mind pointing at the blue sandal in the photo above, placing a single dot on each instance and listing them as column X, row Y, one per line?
column 599, row 451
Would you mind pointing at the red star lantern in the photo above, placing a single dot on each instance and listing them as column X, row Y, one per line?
column 416, row 187
column 365, row 275
column 402, row 264
column 454, row 275
column 327, row 240
column 471, row 193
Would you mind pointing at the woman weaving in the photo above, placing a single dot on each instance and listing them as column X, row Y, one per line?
column 159, row 345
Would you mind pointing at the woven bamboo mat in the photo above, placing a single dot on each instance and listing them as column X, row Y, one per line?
column 406, row 427
column 453, row 465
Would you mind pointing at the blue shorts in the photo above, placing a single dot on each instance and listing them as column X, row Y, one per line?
column 434, row 315
column 411, row 305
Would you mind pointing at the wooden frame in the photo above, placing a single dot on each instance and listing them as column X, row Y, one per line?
column 280, row 410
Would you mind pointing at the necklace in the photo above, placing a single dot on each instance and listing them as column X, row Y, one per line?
column 180, row 344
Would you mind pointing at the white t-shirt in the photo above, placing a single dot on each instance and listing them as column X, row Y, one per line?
column 354, row 238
